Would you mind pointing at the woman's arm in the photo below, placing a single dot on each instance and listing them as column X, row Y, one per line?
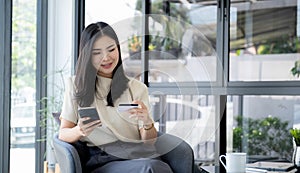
column 68, row 131
column 148, row 132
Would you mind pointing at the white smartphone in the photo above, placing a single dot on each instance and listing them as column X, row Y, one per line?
column 89, row 112
column 126, row 106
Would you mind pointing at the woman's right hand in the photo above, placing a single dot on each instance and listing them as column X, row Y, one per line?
column 71, row 132
column 86, row 128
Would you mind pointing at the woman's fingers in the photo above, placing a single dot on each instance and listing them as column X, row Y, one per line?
column 140, row 114
column 140, row 103
column 92, row 126
column 87, row 128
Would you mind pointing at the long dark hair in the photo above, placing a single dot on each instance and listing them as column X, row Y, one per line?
column 86, row 73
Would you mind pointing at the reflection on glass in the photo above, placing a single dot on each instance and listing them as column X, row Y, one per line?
column 181, row 45
column 264, row 36
column 127, row 23
column 23, row 110
column 191, row 117
column 259, row 125
column 182, row 41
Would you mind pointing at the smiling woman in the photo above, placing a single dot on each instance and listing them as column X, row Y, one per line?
column 116, row 140
column 105, row 56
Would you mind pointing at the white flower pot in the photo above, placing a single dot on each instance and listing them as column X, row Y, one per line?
column 296, row 156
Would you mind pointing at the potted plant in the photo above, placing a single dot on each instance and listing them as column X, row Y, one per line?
column 155, row 46
column 296, row 136
column 173, row 30
column 258, row 133
column 173, row 25
column 296, row 69
column 51, row 112
column 135, row 46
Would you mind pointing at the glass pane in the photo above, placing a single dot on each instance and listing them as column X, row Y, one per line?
column 127, row 23
column 190, row 117
column 23, row 107
column 264, row 35
column 182, row 42
column 259, row 126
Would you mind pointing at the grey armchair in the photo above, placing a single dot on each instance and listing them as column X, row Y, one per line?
column 180, row 159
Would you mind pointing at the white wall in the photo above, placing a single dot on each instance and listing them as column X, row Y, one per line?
column 60, row 43
column 60, row 51
column 60, row 35
column 271, row 67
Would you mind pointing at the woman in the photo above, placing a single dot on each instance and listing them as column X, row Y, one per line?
column 119, row 141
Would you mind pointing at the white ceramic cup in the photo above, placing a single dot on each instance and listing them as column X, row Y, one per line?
column 235, row 162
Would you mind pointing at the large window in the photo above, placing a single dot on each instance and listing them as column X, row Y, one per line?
column 264, row 41
column 204, row 57
column 263, row 73
column 182, row 44
column 200, row 60
column 191, row 117
column 181, row 49
column 23, row 86
column 127, row 24
column 259, row 125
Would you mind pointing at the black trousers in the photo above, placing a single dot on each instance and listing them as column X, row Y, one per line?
column 103, row 162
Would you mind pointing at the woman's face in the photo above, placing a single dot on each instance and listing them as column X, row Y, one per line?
column 105, row 56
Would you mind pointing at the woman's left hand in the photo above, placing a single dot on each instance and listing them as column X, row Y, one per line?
column 141, row 113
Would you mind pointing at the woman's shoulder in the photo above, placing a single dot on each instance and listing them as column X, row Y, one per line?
column 138, row 90
column 70, row 79
column 70, row 82
column 134, row 83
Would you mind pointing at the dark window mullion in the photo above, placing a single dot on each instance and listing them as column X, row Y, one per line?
column 41, row 85
column 146, row 38
column 221, row 132
column 79, row 26
column 222, row 77
column 5, row 85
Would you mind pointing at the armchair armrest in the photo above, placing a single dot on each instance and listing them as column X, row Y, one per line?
column 67, row 156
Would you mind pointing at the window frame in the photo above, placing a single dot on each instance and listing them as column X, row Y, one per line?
column 5, row 87
column 222, row 87
column 41, row 84
column 6, row 7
